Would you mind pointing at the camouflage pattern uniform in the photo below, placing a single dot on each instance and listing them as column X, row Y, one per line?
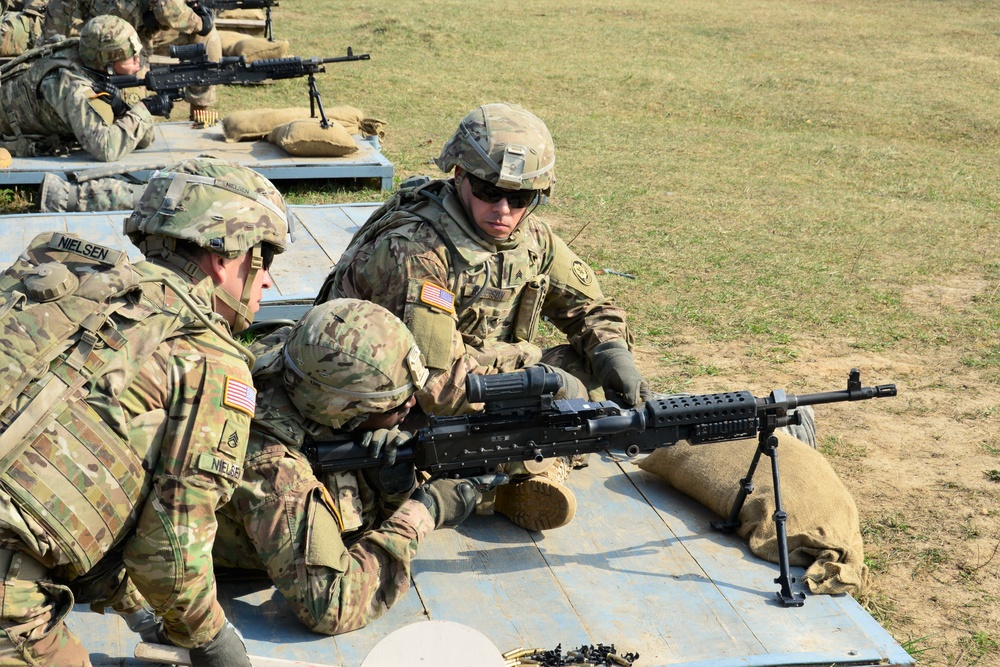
column 143, row 440
column 49, row 106
column 473, row 302
column 486, row 320
column 337, row 550
column 58, row 194
column 174, row 23
column 21, row 27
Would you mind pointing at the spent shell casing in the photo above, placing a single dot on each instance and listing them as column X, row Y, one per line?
column 520, row 653
column 618, row 660
column 511, row 662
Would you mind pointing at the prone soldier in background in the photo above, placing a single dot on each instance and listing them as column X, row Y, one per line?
column 21, row 26
column 338, row 548
column 160, row 24
column 125, row 415
column 469, row 269
column 54, row 98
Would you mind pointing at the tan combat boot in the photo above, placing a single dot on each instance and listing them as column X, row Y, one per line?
column 539, row 502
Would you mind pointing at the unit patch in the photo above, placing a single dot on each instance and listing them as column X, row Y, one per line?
column 239, row 395
column 583, row 272
column 437, row 297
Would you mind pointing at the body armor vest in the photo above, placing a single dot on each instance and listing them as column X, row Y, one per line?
column 499, row 288
column 21, row 109
column 75, row 314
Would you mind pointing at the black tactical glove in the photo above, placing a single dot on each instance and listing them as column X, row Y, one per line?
column 383, row 443
column 109, row 92
column 160, row 104
column 206, row 16
column 615, row 369
column 390, row 478
column 226, row 649
column 451, row 501
column 571, row 387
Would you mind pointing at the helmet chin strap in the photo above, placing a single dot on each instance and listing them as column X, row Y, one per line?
column 243, row 317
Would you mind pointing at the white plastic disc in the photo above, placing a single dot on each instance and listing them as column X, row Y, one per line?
column 434, row 644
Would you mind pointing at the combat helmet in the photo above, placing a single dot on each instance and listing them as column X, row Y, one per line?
column 220, row 206
column 504, row 144
column 347, row 359
column 104, row 40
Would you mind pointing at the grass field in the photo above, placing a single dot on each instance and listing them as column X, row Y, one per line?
column 799, row 187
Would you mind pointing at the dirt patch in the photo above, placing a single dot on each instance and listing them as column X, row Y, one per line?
column 924, row 468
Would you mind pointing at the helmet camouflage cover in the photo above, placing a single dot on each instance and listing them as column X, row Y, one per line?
column 504, row 144
column 347, row 359
column 104, row 40
column 218, row 205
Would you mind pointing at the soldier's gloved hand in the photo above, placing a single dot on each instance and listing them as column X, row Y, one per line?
column 144, row 623
column 159, row 104
column 572, row 387
column 206, row 16
column 110, row 93
column 451, row 501
column 615, row 369
column 384, row 443
column 226, row 649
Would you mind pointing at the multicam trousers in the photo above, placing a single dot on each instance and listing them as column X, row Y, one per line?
column 32, row 621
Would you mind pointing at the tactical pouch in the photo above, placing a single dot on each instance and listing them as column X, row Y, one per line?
column 530, row 309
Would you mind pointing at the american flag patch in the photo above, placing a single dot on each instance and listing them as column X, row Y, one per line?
column 240, row 395
column 438, row 297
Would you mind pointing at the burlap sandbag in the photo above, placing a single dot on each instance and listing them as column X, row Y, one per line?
column 258, row 48
column 229, row 38
column 354, row 121
column 307, row 138
column 255, row 14
column 253, row 124
column 824, row 534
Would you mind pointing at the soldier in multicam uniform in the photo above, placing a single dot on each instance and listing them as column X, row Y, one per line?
column 60, row 99
column 338, row 549
column 21, row 27
column 470, row 271
column 126, row 409
column 160, row 24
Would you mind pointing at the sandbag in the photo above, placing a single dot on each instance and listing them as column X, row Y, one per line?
column 256, row 14
column 824, row 533
column 243, row 21
column 229, row 38
column 258, row 48
column 253, row 124
column 354, row 121
column 307, row 138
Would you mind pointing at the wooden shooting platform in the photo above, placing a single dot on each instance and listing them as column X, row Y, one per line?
column 179, row 140
column 639, row 567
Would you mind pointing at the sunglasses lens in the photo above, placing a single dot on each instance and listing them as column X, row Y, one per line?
column 266, row 256
column 491, row 194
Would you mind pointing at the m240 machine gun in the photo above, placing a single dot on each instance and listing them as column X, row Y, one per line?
column 522, row 421
column 195, row 69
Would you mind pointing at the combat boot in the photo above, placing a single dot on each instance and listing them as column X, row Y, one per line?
column 538, row 502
